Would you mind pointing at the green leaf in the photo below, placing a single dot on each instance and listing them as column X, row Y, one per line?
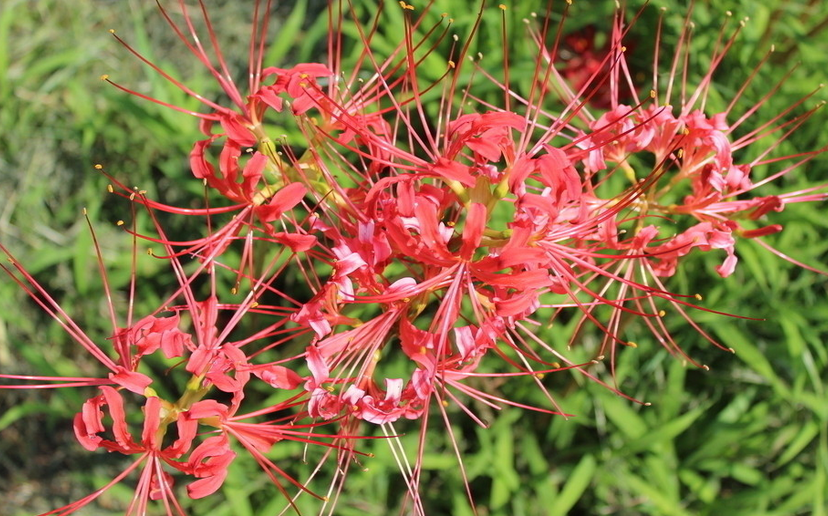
column 664, row 432
column 806, row 435
column 653, row 495
column 750, row 355
column 706, row 488
column 289, row 33
column 575, row 486
column 20, row 411
column 620, row 412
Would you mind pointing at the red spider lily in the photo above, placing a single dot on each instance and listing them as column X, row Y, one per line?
column 207, row 462
column 214, row 364
column 121, row 370
column 583, row 61
column 425, row 230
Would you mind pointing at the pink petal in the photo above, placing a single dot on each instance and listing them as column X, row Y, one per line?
column 152, row 420
column 206, row 486
column 116, row 411
column 270, row 96
column 202, row 169
column 279, row 377
column 236, row 128
column 207, row 408
column 282, row 201
column 453, row 171
column 296, row 242
column 318, row 367
column 473, row 230
column 131, row 380
column 86, row 435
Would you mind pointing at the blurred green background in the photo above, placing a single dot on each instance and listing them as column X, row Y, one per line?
column 749, row 437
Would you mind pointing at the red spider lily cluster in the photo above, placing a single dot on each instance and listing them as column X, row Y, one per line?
column 429, row 229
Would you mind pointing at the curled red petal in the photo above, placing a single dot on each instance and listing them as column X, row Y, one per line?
column 119, row 425
column 152, row 420
column 131, row 380
column 473, row 230
column 279, row 377
column 282, row 201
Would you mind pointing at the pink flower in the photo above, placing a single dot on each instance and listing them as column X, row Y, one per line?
column 410, row 238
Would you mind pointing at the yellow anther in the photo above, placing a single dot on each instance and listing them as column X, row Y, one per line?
column 119, row 223
column 502, row 7
column 98, row 166
column 662, row 313
column 110, row 189
column 104, row 77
